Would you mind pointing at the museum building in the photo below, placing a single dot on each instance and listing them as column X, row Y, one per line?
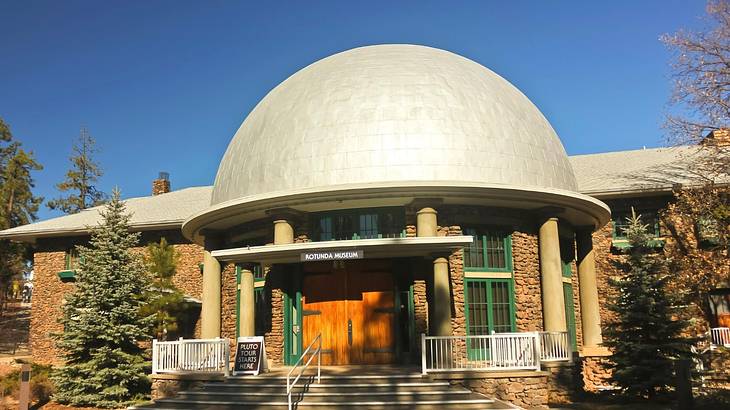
column 378, row 195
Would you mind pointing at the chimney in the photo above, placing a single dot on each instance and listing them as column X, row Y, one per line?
column 161, row 185
column 718, row 138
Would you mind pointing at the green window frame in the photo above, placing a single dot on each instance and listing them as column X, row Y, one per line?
column 491, row 250
column 71, row 262
column 489, row 306
column 570, row 314
column 620, row 223
column 364, row 223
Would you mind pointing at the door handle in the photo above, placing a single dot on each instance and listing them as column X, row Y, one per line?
column 349, row 332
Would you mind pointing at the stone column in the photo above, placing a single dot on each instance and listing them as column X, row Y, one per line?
column 246, row 309
column 426, row 222
column 210, row 312
column 551, row 277
column 590, row 314
column 283, row 232
column 441, row 316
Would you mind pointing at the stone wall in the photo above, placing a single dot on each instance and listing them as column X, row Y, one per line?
column 49, row 292
column 274, row 336
column 229, row 291
column 48, row 296
column 519, row 389
column 596, row 373
column 528, row 300
column 456, row 276
column 420, row 307
column 563, row 381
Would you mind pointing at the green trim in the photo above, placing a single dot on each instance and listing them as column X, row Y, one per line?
column 567, row 269
column 295, row 287
column 570, row 314
column 68, row 275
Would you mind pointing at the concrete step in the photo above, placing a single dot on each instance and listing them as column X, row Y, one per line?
column 453, row 404
column 331, row 396
column 364, row 391
column 330, row 386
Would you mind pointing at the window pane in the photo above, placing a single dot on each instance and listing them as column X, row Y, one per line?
column 477, row 300
column 501, row 306
column 325, row 228
column 495, row 250
column 368, row 226
column 262, row 311
column 474, row 253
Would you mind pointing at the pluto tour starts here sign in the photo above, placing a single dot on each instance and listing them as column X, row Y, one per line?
column 250, row 353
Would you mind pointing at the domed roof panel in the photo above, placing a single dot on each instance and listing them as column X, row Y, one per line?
column 392, row 113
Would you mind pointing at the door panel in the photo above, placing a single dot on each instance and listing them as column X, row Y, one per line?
column 322, row 312
column 332, row 302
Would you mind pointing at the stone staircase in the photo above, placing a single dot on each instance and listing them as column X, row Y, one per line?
column 335, row 391
column 14, row 330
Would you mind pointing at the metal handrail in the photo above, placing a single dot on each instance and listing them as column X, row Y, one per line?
column 318, row 352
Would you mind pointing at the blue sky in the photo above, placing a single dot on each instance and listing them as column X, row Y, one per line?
column 163, row 85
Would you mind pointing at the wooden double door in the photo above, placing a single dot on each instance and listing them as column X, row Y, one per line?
column 353, row 308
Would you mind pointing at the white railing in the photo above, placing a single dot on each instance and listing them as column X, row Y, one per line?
column 555, row 347
column 191, row 355
column 499, row 351
column 720, row 336
column 290, row 384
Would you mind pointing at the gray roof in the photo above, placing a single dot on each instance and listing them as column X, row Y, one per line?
column 151, row 212
column 601, row 175
column 645, row 170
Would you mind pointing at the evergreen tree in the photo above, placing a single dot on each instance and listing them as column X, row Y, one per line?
column 105, row 364
column 647, row 335
column 80, row 179
column 164, row 301
column 18, row 205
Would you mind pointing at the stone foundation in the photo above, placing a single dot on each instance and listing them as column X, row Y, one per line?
column 563, row 382
column 524, row 389
column 169, row 385
column 596, row 373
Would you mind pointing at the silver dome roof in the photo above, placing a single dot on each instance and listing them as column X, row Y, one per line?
column 392, row 113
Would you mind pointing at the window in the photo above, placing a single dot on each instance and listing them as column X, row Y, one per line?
column 489, row 309
column 262, row 310
column 359, row 224
column 72, row 259
column 620, row 222
column 491, row 249
column 489, row 306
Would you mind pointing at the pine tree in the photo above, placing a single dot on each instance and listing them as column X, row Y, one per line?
column 18, row 205
column 80, row 179
column 105, row 364
column 647, row 335
column 164, row 301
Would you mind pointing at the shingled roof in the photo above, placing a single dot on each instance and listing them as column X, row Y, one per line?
column 604, row 175
column 639, row 171
column 164, row 211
